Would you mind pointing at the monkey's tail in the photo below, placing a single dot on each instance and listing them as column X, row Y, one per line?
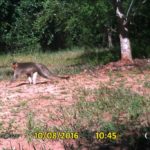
column 46, row 73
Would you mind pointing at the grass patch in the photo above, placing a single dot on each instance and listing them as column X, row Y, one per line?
column 71, row 61
column 60, row 62
column 33, row 127
column 6, row 132
column 19, row 107
column 15, row 110
column 147, row 84
column 5, row 73
column 114, row 110
column 112, row 101
column 89, row 114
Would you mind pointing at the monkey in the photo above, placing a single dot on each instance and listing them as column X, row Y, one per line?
column 32, row 69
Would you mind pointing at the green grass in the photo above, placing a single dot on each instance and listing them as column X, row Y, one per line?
column 5, row 73
column 87, row 117
column 70, row 61
column 106, row 100
column 33, row 127
column 54, row 58
column 147, row 84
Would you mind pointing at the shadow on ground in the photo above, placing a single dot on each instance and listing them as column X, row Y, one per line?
column 99, row 57
column 9, row 135
column 132, row 140
column 39, row 83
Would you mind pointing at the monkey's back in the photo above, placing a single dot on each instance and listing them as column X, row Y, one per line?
column 28, row 67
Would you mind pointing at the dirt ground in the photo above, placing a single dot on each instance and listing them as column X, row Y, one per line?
column 20, row 98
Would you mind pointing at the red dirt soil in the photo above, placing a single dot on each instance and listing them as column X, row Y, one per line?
column 20, row 98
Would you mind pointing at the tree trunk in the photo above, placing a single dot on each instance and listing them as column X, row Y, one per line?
column 109, row 34
column 125, row 45
column 125, row 48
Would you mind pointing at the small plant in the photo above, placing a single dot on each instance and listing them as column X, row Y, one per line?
column 30, row 126
column 147, row 84
column 108, row 127
column 33, row 127
column 1, row 126
column 23, row 104
column 15, row 110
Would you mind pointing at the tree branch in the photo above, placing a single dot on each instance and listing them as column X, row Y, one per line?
column 131, row 4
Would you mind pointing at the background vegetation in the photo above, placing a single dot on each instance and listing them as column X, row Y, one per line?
column 49, row 25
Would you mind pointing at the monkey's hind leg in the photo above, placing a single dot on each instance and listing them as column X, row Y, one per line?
column 34, row 77
column 30, row 79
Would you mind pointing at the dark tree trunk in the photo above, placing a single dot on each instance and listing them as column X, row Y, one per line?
column 109, row 35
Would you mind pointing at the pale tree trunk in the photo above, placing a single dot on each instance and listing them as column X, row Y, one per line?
column 125, row 45
column 125, row 48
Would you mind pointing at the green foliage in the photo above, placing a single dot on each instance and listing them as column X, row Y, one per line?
column 22, row 33
column 5, row 21
column 32, row 25
column 139, row 29
column 57, row 24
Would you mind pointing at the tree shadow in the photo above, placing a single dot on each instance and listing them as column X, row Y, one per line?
column 97, row 57
column 9, row 135
column 132, row 141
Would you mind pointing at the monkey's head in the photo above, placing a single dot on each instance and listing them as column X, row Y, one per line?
column 14, row 65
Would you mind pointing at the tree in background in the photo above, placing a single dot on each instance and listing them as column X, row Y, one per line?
column 126, row 53
column 23, row 35
column 55, row 24
column 135, row 16
column 75, row 23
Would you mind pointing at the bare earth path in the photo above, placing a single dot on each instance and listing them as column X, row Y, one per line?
column 19, row 99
